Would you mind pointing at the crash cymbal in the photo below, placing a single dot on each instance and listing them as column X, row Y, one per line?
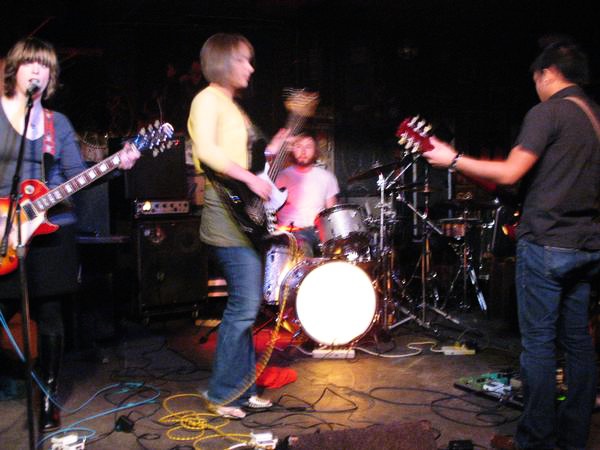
column 375, row 170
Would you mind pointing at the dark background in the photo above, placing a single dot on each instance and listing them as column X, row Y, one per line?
column 463, row 64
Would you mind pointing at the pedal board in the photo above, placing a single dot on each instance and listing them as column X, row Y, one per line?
column 506, row 386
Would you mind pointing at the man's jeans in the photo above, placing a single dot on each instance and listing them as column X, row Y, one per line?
column 235, row 361
column 553, row 293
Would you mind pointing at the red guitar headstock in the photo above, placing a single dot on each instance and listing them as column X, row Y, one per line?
column 413, row 134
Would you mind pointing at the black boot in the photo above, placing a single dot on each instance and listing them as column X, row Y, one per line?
column 51, row 348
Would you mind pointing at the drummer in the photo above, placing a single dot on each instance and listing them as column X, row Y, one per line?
column 310, row 190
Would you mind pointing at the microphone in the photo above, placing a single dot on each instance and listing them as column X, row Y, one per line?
column 33, row 88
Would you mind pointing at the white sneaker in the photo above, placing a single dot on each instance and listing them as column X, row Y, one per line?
column 256, row 402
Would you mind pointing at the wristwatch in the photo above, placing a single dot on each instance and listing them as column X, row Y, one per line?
column 452, row 166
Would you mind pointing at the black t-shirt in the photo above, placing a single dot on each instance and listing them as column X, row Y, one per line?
column 561, row 194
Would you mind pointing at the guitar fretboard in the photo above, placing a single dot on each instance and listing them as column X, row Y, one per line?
column 68, row 188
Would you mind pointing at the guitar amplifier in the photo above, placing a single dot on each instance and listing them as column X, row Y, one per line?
column 160, row 207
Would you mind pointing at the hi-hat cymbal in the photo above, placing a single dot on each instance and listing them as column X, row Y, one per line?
column 419, row 188
column 375, row 170
column 468, row 203
column 460, row 220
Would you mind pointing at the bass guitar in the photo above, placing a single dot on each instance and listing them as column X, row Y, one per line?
column 256, row 217
column 35, row 199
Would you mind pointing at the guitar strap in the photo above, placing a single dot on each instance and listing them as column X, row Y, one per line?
column 588, row 112
column 48, row 145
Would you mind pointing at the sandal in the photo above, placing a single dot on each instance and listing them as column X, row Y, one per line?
column 230, row 412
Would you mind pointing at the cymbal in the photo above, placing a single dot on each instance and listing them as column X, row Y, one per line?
column 468, row 203
column 419, row 188
column 375, row 170
column 460, row 220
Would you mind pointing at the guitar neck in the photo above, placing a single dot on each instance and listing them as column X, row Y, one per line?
column 294, row 123
column 75, row 184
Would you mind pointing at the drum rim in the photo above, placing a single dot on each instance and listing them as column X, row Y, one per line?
column 341, row 206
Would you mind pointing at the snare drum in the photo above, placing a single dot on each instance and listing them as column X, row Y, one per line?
column 334, row 301
column 342, row 229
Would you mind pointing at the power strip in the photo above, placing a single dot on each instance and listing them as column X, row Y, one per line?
column 68, row 442
column 331, row 353
column 457, row 350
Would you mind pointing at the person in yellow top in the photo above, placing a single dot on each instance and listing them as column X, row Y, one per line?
column 222, row 135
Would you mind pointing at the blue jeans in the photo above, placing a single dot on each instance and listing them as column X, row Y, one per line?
column 232, row 379
column 553, row 294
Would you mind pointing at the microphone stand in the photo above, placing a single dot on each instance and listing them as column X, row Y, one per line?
column 14, row 210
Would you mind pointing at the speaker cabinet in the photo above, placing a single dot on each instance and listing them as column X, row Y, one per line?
column 171, row 269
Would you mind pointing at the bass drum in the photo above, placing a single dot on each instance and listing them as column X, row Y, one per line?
column 334, row 301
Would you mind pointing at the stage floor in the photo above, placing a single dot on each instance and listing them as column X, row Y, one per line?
column 151, row 374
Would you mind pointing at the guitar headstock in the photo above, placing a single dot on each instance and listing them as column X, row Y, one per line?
column 413, row 134
column 301, row 101
column 156, row 137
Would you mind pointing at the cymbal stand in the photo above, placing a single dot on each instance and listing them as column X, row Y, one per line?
column 425, row 262
column 463, row 251
column 386, row 248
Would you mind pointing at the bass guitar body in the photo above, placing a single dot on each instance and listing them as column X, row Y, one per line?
column 256, row 218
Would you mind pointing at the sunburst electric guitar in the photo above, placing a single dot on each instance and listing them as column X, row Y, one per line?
column 256, row 217
column 35, row 199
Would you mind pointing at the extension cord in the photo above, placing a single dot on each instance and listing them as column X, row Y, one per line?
column 457, row 350
column 328, row 353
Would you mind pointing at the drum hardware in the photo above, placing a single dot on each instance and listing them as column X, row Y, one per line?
column 428, row 289
column 463, row 251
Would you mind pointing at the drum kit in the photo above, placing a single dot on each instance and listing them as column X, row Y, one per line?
column 354, row 287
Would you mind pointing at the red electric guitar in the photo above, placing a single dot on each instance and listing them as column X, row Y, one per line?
column 413, row 134
column 36, row 199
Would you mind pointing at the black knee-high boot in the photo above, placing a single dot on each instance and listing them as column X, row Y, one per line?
column 51, row 348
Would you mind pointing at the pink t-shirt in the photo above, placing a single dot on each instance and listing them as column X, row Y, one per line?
column 308, row 192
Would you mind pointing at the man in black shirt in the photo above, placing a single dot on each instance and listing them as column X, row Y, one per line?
column 557, row 156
